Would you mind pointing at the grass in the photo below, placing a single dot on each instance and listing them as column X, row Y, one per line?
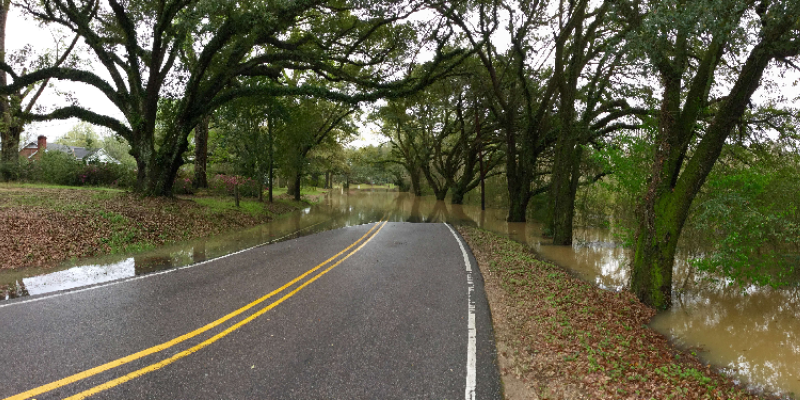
column 6, row 185
column 42, row 225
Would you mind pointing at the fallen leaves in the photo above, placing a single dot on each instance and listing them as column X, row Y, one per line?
column 42, row 227
column 560, row 337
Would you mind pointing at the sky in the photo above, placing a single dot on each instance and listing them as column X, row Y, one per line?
column 21, row 32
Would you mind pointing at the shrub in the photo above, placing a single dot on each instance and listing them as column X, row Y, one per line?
column 10, row 171
column 114, row 175
column 183, row 183
column 224, row 184
column 59, row 168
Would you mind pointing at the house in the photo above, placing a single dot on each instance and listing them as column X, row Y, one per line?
column 34, row 150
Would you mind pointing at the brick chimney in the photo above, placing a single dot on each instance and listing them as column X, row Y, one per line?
column 42, row 146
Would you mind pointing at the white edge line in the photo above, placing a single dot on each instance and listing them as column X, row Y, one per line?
column 469, row 392
column 136, row 278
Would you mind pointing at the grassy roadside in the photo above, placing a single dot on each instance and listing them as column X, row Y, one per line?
column 559, row 337
column 42, row 225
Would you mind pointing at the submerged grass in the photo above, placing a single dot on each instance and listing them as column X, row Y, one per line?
column 218, row 205
column 560, row 337
column 42, row 225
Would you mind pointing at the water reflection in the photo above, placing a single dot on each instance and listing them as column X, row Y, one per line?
column 754, row 334
column 79, row 276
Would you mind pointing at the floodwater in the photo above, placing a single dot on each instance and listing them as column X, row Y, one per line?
column 752, row 334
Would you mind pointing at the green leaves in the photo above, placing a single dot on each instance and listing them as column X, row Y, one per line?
column 750, row 217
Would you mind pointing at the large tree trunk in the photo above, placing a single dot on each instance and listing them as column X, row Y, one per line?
column 201, row 153
column 162, row 166
column 290, row 186
column 142, row 151
column 517, row 204
column 11, row 137
column 660, row 223
column 564, row 187
column 519, row 193
column 457, row 195
column 161, row 176
column 416, row 186
column 297, row 179
column 674, row 183
column 9, row 154
column 439, row 189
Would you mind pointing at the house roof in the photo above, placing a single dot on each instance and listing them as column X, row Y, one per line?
column 79, row 153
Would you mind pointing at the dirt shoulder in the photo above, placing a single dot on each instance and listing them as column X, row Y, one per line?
column 559, row 337
column 39, row 227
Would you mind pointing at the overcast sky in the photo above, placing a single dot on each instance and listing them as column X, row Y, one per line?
column 21, row 32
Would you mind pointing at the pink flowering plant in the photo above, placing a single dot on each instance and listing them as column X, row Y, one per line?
column 224, row 185
column 183, row 184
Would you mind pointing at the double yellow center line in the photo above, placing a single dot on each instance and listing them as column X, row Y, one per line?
column 155, row 349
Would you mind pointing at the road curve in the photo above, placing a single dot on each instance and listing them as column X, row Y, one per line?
column 387, row 310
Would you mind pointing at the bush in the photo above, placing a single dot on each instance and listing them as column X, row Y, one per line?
column 114, row 175
column 183, row 183
column 749, row 217
column 9, row 171
column 224, row 184
column 59, row 168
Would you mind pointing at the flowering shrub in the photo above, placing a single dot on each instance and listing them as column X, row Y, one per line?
column 183, row 184
column 224, row 184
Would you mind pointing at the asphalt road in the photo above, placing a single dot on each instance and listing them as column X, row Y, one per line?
column 399, row 314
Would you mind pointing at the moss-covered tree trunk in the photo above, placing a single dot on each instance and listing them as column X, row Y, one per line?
column 10, row 130
column 565, row 177
column 660, row 224
column 10, row 135
column 678, row 176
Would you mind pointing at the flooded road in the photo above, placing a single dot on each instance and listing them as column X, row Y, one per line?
column 752, row 334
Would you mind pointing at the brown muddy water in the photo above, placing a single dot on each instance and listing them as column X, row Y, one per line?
column 751, row 334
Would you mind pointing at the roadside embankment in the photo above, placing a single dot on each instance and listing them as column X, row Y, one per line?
column 559, row 337
column 41, row 226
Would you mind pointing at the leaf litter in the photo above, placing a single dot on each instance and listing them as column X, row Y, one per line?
column 559, row 337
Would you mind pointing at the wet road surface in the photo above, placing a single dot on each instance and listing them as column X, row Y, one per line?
column 391, row 310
